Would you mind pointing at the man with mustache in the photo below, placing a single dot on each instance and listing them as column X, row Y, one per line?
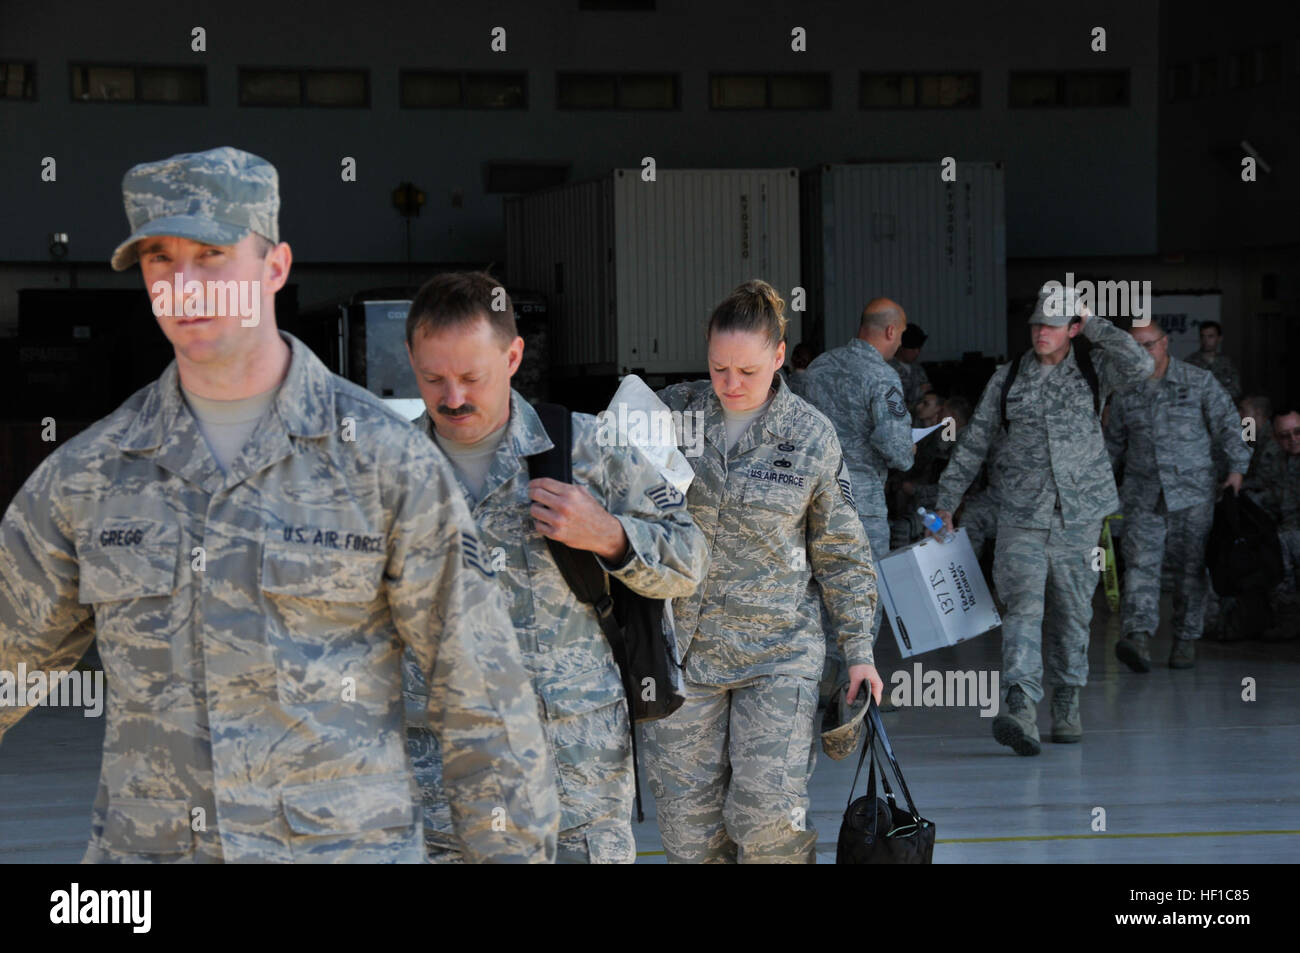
column 464, row 352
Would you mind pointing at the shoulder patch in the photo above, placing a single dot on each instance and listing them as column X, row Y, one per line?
column 846, row 485
column 474, row 555
column 894, row 398
column 666, row 496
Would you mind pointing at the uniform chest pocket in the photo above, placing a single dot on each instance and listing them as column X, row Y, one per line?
column 323, row 575
column 322, row 626
column 775, row 498
column 128, row 572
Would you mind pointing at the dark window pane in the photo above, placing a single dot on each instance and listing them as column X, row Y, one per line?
column 586, row 91
column 738, row 92
column 1207, row 76
column 335, row 88
column 801, row 91
column 17, row 81
column 647, row 92
column 495, row 90
column 959, row 89
column 1109, row 88
column 877, row 90
column 269, row 88
column 168, row 85
column 431, row 90
column 1036, row 89
column 103, row 84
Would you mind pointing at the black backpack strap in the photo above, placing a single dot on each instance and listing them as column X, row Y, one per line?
column 579, row 567
column 1007, row 381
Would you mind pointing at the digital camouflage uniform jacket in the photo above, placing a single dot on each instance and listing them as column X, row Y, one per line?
column 1163, row 430
column 775, row 514
column 583, row 706
column 1053, row 450
column 863, row 398
column 251, row 629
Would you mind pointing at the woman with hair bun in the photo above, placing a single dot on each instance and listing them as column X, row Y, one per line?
column 730, row 768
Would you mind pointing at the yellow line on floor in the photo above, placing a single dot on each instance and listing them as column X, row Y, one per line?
column 1100, row 835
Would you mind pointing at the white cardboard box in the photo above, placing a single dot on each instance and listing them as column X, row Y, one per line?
column 934, row 595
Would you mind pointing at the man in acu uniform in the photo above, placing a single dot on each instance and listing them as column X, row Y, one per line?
column 855, row 387
column 619, row 507
column 1055, row 487
column 1163, row 430
column 251, row 541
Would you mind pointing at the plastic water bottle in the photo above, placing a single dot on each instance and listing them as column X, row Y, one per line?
column 934, row 523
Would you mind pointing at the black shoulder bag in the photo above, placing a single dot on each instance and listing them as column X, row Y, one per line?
column 876, row 830
column 633, row 624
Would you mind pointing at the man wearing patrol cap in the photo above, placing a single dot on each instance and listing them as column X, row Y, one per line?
column 284, row 537
column 1055, row 487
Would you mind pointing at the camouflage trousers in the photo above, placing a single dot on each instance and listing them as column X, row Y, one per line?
column 592, row 753
column 834, row 674
column 1152, row 539
column 1046, row 580
column 979, row 517
column 729, row 771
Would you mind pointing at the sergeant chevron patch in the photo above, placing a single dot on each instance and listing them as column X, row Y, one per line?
column 666, row 496
column 846, row 491
column 474, row 554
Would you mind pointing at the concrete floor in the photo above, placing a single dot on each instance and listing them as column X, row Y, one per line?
column 1186, row 771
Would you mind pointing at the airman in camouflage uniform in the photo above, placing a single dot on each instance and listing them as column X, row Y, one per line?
column 855, row 387
column 1055, row 488
column 583, row 706
column 730, row 769
column 251, row 617
column 1210, row 358
column 1162, row 430
column 1275, row 485
column 907, row 364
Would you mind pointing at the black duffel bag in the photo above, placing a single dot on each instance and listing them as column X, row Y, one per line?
column 875, row 830
column 1244, row 553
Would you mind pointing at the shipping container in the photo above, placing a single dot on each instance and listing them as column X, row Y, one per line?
column 632, row 269
column 897, row 230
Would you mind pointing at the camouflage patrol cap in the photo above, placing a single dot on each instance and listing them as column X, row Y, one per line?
column 1057, row 305
column 839, row 743
column 216, row 197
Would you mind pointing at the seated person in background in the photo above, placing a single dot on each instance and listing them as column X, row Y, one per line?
column 1275, row 485
column 1258, row 408
column 904, row 525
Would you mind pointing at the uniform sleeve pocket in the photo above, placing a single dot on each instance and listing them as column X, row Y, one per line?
column 326, row 575
column 349, row 805
column 146, row 826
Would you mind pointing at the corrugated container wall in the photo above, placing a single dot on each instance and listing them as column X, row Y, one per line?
column 897, row 230
column 633, row 268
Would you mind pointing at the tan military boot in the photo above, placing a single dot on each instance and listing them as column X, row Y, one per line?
column 1067, row 727
column 1134, row 650
column 1017, row 724
column 1183, row 654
